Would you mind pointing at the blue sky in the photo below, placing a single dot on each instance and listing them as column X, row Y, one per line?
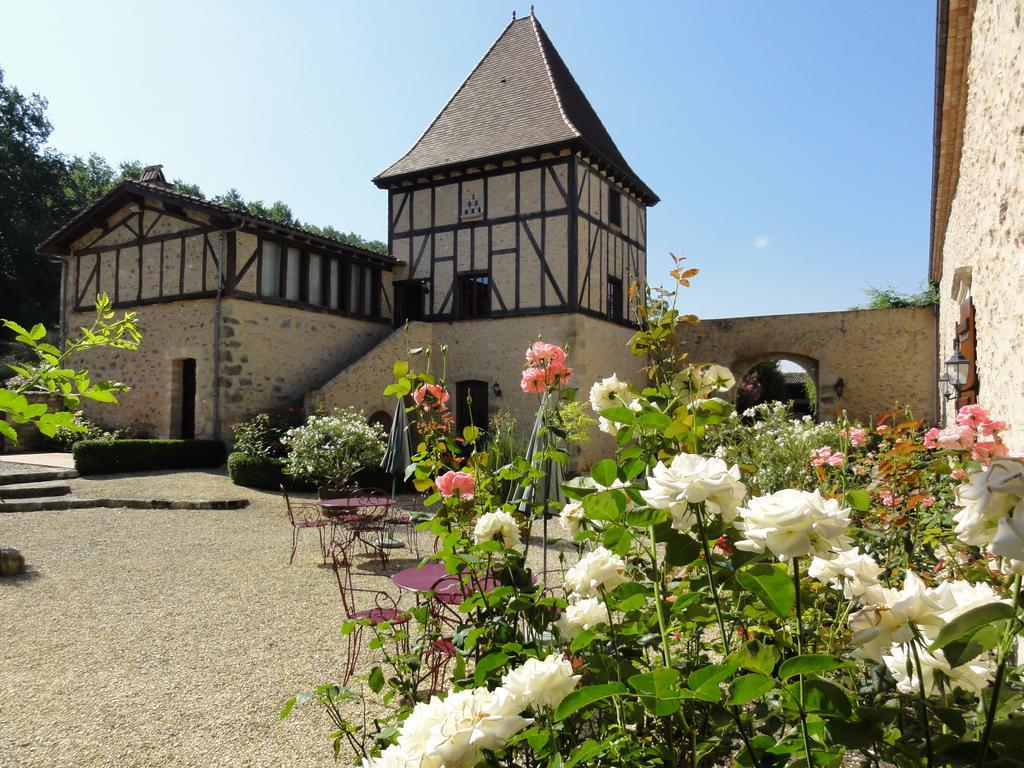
column 790, row 143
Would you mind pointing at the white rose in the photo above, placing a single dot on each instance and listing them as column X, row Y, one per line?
column 1008, row 541
column 957, row 597
column 541, row 683
column 936, row 672
column 586, row 613
column 392, row 757
column 850, row 571
column 596, row 570
column 987, row 496
column 451, row 732
column 691, row 479
column 572, row 517
column 607, row 393
column 793, row 523
column 498, row 523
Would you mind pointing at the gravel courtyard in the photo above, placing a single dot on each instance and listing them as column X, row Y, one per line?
column 166, row 637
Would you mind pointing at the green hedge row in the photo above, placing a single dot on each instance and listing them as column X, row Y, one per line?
column 101, row 457
column 255, row 471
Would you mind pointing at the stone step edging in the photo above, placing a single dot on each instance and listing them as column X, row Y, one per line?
column 58, row 504
column 36, row 476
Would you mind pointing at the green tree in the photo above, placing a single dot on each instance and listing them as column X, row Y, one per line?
column 889, row 298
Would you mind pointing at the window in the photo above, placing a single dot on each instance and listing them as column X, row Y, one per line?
column 316, row 273
column 354, row 289
column 293, row 276
column 270, row 269
column 335, row 294
column 614, row 208
column 474, row 296
column 613, row 302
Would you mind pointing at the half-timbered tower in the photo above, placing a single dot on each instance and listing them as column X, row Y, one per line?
column 515, row 200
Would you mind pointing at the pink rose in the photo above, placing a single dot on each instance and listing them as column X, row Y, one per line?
column 430, row 396
column 987, row 449
column 954, row 437
column 452, row 483
column 536, row 379
column 856, row 435
column 971, row 416
column 889, row 499
column 823, row 456
column 991, row 426
column 542, row 355
column 928, row 501
column 958, row 474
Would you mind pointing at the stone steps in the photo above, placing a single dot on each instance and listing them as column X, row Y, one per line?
column 71, row 502
column 36, row 476
column 33, row 490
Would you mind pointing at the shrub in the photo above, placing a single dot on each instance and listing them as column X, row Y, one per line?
column 255, row 471
column 83, row 429
column 331, row 449
column 96, row 457
column 260, row 436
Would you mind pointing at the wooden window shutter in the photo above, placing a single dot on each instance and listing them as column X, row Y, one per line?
column 968, row 341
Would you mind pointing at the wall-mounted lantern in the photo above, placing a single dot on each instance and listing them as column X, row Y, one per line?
column 840, row 387
column 946, row 388
column 496, row 388
column 958, row 370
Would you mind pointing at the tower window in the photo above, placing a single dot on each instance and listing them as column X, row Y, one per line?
column 474, row 296
column 614, row 208
column 613, row 304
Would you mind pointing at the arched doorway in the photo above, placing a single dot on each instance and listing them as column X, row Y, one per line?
column 785, row 378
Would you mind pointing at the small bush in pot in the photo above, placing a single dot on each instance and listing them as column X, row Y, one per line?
column 331, row 449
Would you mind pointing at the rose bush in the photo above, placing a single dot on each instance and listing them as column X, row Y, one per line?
column 712, row 617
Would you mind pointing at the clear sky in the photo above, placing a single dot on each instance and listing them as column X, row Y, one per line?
column 790, row 143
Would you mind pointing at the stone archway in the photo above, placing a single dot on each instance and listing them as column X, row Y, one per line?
column 793, row 392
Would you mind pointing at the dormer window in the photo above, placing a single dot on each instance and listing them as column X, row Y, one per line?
column 614, row 208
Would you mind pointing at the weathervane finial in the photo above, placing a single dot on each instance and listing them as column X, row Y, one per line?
column 531, row 9
column 513, row 15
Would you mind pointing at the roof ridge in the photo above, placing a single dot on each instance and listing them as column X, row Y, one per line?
column 551, row 77
column 452, row 97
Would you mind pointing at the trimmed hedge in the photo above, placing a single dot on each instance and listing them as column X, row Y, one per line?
column 101, row 457
column 254, row 471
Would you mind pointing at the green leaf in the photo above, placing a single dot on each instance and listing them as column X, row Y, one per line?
column 603, row 506
column 645, row 518
column 661, row 683
column 100, row 395
column 705, row 681
column 810, row 663
column 400, row 368
column 859, row 499
column 971, row 633
column 772, row 584
column 680, row 549
column 619, row 414
column 605, row 472
column 756, row 657
column 746, row 688
column 376, row 681
column 653, row 420
column 823, row 698
column 583, row 697
column 588, row 750
column 487, row 664
column 8, row 431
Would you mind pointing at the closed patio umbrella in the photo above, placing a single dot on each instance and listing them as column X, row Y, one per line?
column 397, row 455
column 546, row 490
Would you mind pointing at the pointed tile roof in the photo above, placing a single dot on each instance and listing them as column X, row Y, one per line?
column 521, row 96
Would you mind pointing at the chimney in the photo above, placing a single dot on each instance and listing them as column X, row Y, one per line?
column 154, row 174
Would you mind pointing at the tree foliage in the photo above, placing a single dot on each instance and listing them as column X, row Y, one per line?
column 889, row 298
column 40, row 189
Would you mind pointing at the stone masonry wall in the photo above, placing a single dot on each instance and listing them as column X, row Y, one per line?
column 884, row 356
column 985, row 233
column 271, row 356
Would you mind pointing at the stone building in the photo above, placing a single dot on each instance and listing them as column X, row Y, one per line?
column 978, row 204
column 513, row 216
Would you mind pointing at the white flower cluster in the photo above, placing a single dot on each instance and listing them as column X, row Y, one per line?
column 609, row 393
column 891, row 619
column 573, row 514
column 597, row 571
column 792, row 523
column 453, row 732
column 497, row 524
column 691, row 479
column 992, row 509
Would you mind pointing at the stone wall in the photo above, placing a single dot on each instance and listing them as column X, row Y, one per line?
column 884, row 356
column 271, row 356
column 491, row 350
column 984, row 239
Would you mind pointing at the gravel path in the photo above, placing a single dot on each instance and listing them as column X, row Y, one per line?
column 167, row 637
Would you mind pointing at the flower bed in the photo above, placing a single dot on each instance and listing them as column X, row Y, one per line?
column 860, row 598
